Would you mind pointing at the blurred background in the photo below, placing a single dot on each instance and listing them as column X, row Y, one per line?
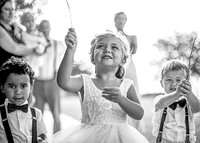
column 148, row 20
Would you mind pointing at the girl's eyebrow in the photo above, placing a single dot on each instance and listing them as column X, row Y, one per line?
column 10, row 83
column 114, row 43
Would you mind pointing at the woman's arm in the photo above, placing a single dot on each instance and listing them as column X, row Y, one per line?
column 64, row 78
column 9, row 45
column 133, row 43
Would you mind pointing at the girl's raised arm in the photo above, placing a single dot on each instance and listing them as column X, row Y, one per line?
column 64, row 78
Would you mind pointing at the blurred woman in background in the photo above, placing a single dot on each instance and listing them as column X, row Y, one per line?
column 11, row 41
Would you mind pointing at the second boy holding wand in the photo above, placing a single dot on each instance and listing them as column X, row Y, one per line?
column 173, row 120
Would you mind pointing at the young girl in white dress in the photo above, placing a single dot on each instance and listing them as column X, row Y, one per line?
column 106, row 97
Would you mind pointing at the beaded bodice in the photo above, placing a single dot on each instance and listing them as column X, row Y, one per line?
column 98, row 110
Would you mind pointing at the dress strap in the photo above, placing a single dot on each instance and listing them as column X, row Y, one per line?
column 6, row 124
column 159, row 137
column 12, row 34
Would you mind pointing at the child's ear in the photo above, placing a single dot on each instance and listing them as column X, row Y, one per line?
column 2, row 89
column 30, row 99
column 123, row 61
column 161, row 83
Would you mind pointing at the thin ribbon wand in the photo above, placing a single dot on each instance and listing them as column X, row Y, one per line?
column 189, row 63
column 69, row 14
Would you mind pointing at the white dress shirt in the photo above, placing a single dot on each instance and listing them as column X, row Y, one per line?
column 21, row 125
column 174, row 126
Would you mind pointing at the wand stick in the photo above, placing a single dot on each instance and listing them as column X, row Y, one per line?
column 189, row 64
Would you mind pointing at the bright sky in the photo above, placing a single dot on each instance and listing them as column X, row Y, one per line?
column 147, row 19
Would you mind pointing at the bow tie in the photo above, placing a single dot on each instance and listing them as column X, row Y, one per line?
column 181, row 103
column 13, row 107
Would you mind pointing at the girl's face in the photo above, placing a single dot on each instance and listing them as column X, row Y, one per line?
column 120, row 21
column 171, row 79
column 17, row 88
column 108, row 51
column 7, row 12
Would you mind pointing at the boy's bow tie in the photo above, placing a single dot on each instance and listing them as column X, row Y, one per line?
column 181, row 103
column 13, row 107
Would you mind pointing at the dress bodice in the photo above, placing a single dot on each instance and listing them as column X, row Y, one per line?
column 98, row 110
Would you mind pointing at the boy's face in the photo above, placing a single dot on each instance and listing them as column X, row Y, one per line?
column 171, row 79
column 17, row 88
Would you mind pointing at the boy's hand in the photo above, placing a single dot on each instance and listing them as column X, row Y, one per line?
column 71, row 39
column 41, row 141
column 184, row 88
column 42, row 138
column 112, row 93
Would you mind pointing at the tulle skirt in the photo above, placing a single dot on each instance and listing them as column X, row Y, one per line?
column 100, row 133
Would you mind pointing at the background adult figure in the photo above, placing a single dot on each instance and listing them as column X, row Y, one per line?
column 11, row 43
column 120, row 21
column 32, row 37
column 45, row 88
column 131, row 42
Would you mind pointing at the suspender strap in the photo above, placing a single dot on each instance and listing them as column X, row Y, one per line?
column 159, row 137
column 34, row 126
column 187, row 139
column 5, row 123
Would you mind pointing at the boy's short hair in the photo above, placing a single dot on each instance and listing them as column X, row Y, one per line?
column 17, row 66
column 174, row 65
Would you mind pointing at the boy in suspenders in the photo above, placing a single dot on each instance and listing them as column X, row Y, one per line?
column 173, row 120
column 19, row 123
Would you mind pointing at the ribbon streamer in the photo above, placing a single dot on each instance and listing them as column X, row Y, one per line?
column 189, row 64
column 69, row 13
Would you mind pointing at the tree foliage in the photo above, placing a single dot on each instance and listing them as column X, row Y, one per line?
column 24, row 4
column 30, row 5
column 182, row 46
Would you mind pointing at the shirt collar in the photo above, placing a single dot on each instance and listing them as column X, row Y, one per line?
column 8, row 101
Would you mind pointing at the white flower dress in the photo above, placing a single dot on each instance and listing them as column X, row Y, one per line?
column 102, row 121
